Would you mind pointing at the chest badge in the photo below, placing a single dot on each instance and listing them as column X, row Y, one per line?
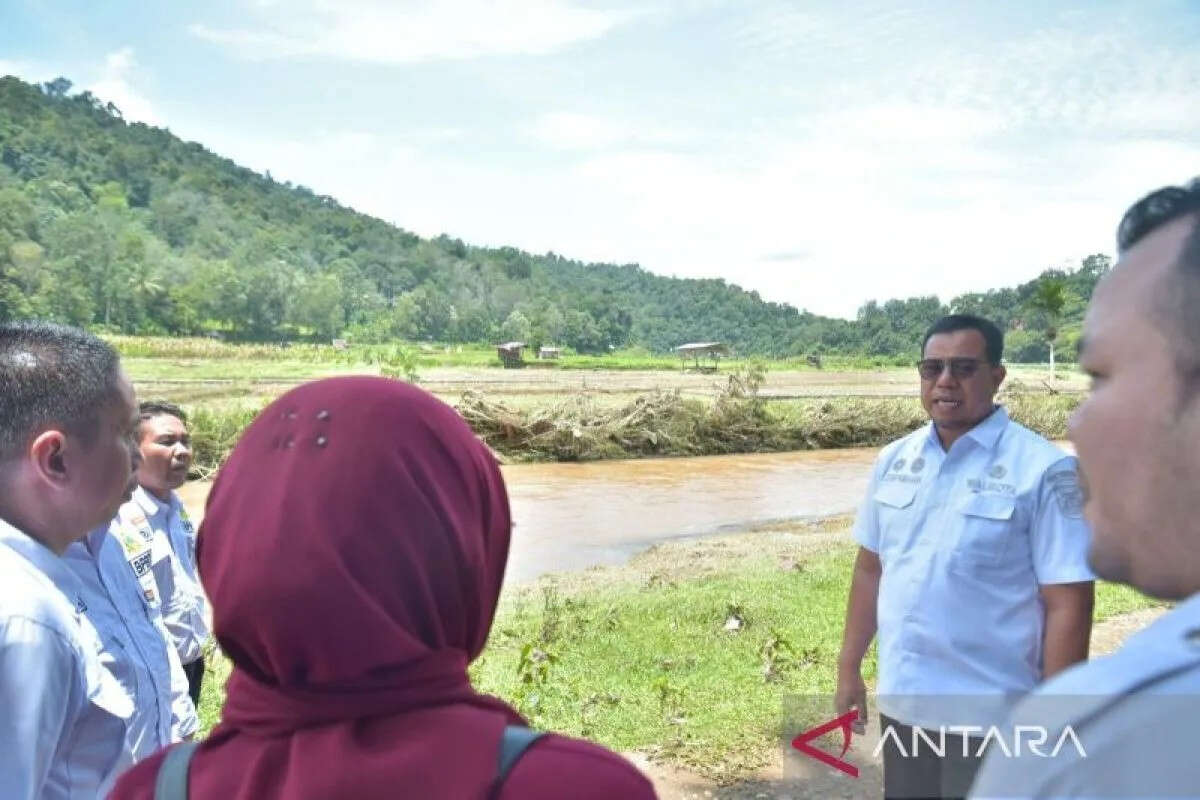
column 997, row 472
column 918, row 464
column 898, row 464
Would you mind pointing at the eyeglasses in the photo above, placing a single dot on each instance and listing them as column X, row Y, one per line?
column 931, row 369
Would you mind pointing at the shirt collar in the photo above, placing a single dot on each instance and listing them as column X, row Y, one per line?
column 151, row 506
column 1181, row 623
column 985, row 434
column 42, row 558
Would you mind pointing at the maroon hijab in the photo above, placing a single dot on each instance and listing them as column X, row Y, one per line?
column 353, row 549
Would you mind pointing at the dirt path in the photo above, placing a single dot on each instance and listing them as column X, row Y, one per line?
column 678, row 784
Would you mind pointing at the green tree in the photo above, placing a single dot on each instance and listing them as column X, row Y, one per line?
column 318, row 305
column 1048, row 298
column 516, row 328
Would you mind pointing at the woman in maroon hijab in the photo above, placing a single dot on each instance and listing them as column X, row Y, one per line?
column 353, row 550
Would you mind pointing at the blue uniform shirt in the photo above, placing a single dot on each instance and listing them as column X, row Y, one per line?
column 966, row 537
column 62, row 715
column 1134, row 714
column 173, row 545
column 137, row 650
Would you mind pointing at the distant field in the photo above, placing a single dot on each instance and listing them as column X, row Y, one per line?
column 206, row 372
column 452, row 368
column 222, row 382
column 560, row 411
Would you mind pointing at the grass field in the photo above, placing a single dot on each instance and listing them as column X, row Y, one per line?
column 646, row 657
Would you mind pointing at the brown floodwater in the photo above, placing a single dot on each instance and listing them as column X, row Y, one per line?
column 574, row 516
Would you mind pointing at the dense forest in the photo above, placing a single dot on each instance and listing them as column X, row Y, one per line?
column 126, row 228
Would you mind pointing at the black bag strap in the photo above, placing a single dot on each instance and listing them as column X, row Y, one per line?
column 171, row 782
column 513, row 744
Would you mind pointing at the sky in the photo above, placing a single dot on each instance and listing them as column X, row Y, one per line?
column 822, row 153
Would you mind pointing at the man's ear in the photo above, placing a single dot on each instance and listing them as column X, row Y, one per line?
column 999, row 373
column 48, row 452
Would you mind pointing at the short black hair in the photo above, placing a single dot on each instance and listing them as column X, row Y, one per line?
column 148, row 409
column 992, row 337
column 52, row 375
column 1155, row 210
column 1179, row 295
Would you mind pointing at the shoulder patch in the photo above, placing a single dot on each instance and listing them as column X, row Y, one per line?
column 1067, row 493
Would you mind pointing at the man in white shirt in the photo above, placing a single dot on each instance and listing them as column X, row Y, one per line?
column 1133, row 713
column 971, row 566
column 154, row 522
column 67, row 462
column 136, row 647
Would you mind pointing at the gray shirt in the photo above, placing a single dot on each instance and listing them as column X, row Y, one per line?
column 1134, row 714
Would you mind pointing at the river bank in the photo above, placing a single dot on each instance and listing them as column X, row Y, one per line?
column 737, row 417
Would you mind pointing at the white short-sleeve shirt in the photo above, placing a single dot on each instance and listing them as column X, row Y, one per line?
column 168, row 532
column 1133, row 715
column 64, row 717
column 966, row 537
column 136, row 647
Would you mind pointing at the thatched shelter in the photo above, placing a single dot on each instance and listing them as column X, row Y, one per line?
column 511, row 354
column 707, row 350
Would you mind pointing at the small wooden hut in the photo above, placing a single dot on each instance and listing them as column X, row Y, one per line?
column 551, row 353
column 511, row 354
column 713, row 351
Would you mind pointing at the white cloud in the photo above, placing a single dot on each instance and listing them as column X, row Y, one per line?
column 115, row 86
column 571, row 131
column 890, row 158
column 824, row 222
column 18, row 68
column 386, row 32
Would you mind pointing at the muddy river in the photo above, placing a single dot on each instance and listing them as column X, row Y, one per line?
column 573, row 516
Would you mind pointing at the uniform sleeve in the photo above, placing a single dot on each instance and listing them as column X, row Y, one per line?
column 182, row 607
column 1059, row 535
column 866, row 523
column 184, row 720
column 38, row 686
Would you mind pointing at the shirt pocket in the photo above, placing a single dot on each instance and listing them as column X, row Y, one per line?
column 985, row 523
column 894, row 508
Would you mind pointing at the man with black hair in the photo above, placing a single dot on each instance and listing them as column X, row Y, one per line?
column 154, row 521
column 66, row 464
column 1138, row 439
column 971, row 568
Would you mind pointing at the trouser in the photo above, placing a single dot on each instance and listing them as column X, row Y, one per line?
column 919, row 771
column 195, row 675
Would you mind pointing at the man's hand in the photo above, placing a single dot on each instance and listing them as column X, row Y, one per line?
column 851, row 693
column 856, row 638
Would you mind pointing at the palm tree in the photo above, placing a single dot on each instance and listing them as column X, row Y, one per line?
column 1049, row 297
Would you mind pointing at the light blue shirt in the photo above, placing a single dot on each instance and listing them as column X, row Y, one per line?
column 173, row 547
column 62, row 715
column 966, row 537
column 1134, row 713
column 137, row 650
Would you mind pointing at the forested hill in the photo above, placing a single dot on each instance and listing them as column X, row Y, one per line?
column 127, row 228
